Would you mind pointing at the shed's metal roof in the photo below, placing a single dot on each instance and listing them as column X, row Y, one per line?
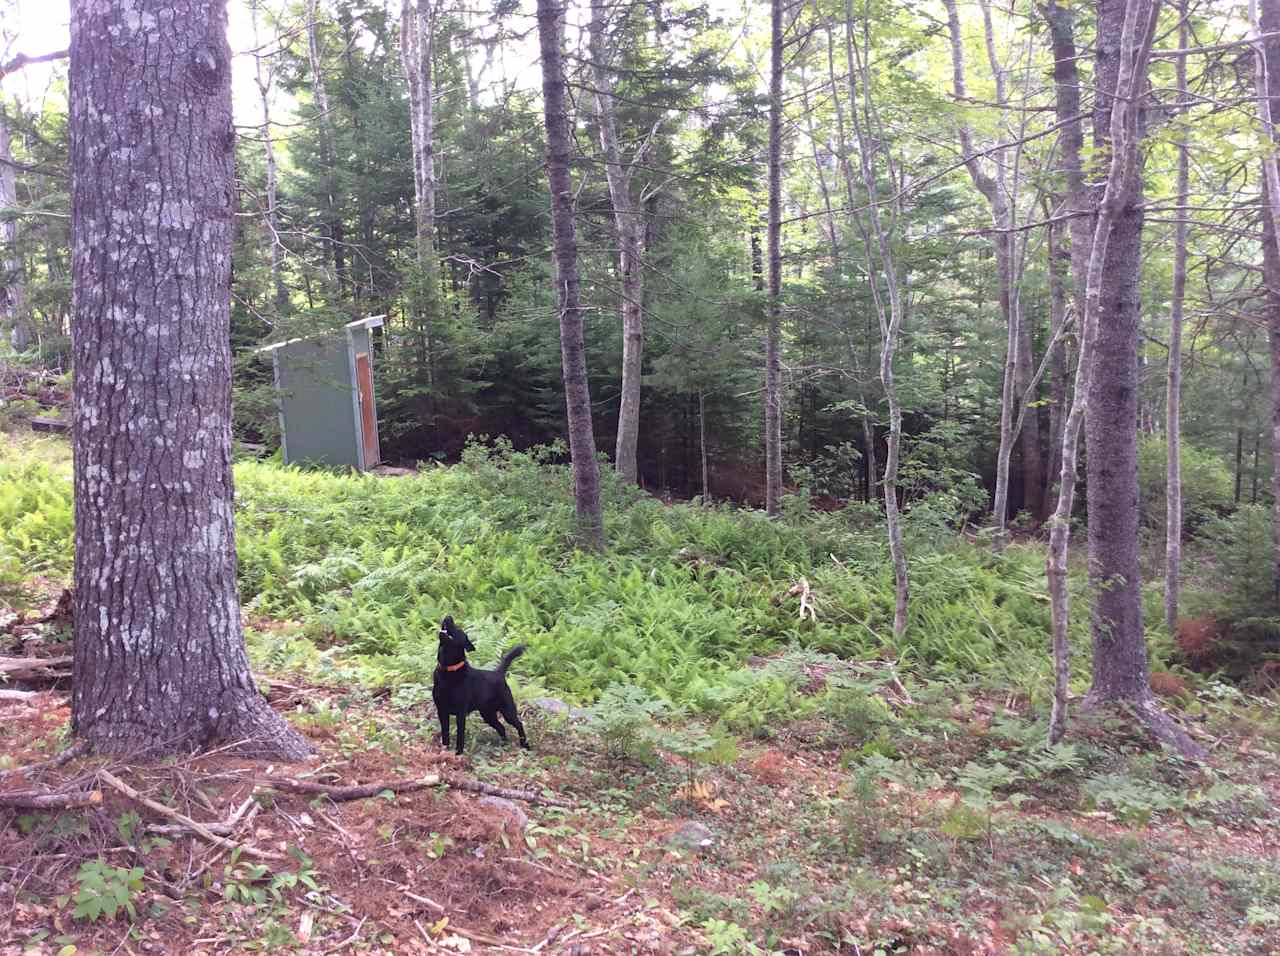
column 372, row 322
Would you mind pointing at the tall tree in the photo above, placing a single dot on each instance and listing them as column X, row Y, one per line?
column 582, row 443
column 417, row 52
column 628, row 216
column 1267, row 79
column 336, row 233
column 160, row 663
column 262, row 78
column 773, row 241
column 877, row 234
column 1173, row 390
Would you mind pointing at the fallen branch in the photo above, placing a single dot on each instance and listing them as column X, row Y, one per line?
column 17, row 695
column 362, row 791
column 75, row 750
column 475, row 786
column 196, row 827
column 341, row 794
column 29, row 667
column 43, row 800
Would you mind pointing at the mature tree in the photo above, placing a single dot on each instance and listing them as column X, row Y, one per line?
column 160, row 663
column 263, row 78
column 582, row 443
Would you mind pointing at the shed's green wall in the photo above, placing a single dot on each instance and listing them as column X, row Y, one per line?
column 315, row 392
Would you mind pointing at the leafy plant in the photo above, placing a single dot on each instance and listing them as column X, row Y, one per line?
column 105, row 890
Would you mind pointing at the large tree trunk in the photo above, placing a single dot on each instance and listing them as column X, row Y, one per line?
column 1173, row 390
column 262, row 80
column 160, row 662
column 11, row 317
column 1267, row 55
column 582, row 443
column 631, row 232
column 773, row 333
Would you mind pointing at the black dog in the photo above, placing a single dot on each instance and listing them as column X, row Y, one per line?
column 458, row 688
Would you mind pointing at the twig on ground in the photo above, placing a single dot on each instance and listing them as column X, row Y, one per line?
column 339, row 794
column 350, row 939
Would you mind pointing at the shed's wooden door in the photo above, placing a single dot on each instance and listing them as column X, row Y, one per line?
column 368, row 416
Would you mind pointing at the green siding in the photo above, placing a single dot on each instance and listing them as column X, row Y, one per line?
column 314, row 379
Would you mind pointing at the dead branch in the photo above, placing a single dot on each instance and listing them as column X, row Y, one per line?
column 32, row 667
column 362, row 791
column 340, row 794
column 75, row 750
column 44, row 800
column 22, row 59
column 17, row 695
column 196, row 827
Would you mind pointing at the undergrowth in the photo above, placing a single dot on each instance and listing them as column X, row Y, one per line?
column 364, row 567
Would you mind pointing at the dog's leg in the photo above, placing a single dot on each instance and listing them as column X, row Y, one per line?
column 444, row 729
column 462, row 733
column 509, row 713
column 491, row 718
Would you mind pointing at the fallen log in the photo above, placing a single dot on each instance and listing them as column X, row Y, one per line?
column 25, row 668
column 17, row 695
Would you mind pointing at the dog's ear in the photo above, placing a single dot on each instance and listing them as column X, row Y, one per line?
column 447, row 623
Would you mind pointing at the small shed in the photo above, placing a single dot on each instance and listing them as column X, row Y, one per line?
column 324, row 390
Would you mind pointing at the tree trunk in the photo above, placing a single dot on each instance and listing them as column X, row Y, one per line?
column 631, row 231
column 262, row 80
column 160, row 662
column 582, row 444
column 321, row 93
column 773, row 335
column 1057, row 351
column 1267, row 55
column 417, row 55
column 1173, row 390
column 996, row 191
column 1106, row 386
column 870, row 136
column 11, row 317
column 702, row 445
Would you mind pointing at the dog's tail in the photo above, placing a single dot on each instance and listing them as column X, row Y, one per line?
column 507, row 659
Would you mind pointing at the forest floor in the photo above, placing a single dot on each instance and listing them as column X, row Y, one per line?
column 931, row 822
column 747, row 781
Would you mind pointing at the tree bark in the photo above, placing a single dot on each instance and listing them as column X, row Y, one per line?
column 702, row 445
column 773, row 332
column 160, row 663
column 11, row 305
column 631, row 241
column 1173, row 390
column 1267, row 56
column 582, row 444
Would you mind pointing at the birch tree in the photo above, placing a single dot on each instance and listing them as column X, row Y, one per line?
column 160, row 663
column 262, row 78
column 1264, row 16
column 11, row 318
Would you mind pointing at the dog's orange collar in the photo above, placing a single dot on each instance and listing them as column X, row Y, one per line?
column 457, row 667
